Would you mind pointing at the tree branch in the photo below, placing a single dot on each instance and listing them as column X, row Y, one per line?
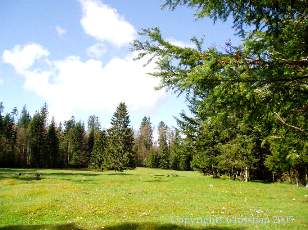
column 291, row 126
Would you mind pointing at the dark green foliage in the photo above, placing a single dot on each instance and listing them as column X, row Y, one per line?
column 248, row 103
column 120, row 154
column 25, row 118
column 75, row 144
column 144, row 141
column 7, row 139
column 62, row 163
column 38, row 156
column 90, row 142
column 153, row 159
column 32, row 142
column 23, row 138
column 175, row 150
column 180, row 155
column 259, row 15
column 53, row 146
column 67, row 143
column 93, row 127
column 98, row 155
column 164, row 153
column 80, row 157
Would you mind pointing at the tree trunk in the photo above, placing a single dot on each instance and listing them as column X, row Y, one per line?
column 297, row 177
column 246, row 174
column 306, row 177
column 290, row 176
column 68, row 153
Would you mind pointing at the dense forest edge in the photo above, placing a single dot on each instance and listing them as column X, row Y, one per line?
column 248, row 105
column 33, row 142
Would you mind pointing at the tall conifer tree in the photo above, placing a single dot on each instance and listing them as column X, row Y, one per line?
column 120, row 141
column 164, row 153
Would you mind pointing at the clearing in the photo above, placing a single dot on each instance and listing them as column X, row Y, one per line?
column 145, row 199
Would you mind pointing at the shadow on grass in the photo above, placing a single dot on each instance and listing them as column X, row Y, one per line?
column 43, row 226
column 155, row 180
column 118, row 174
column 157, row 226
column 30, row 175
column 24, row 175
column 6, row 170
column 123, row 226
column 73, row 174
column 77, row 172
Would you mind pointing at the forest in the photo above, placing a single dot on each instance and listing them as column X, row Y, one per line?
column 33, row 142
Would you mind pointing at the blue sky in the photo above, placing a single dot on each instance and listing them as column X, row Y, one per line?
column 75, row 56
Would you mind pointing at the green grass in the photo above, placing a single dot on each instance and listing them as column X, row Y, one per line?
column 144, row 199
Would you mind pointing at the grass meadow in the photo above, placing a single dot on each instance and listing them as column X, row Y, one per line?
column 145, row 199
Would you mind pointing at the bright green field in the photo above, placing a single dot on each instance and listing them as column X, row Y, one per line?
column 145, row 199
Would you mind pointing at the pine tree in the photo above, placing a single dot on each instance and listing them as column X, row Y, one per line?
column 62, row 163
column 75, row 143
column 7, row 139
column 23, row 140
column 98, row 155
column 93, row 128
column 153, row 159
column 164, row 153
column 144, row 141
column 68, row 139
column 53, row 145
column 175, row 150
column 38, row 142
column 79, row 157
column 120, row 141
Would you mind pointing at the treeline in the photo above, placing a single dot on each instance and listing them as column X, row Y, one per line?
column 32, row 141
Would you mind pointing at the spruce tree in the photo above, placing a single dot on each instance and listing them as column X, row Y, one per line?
column 175, row 150
column 38, row 142
column 164, row 153
column 144, row 141
column 98, row 155
column 93, row 128
column 7, row 140
column 120, row 141
column 53, row 145
column 68, row 139
column 80, row 157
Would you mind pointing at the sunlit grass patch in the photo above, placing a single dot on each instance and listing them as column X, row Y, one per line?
column 144, row 199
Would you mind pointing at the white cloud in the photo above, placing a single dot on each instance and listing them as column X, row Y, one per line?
column 60, row 31
column 180, row 43
column 73, row 84
column 96, row 51
column 1, row 81
column 24, row 57
column 104, row 23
